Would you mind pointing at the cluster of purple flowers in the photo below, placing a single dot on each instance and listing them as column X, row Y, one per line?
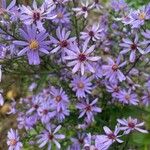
column 91, row 61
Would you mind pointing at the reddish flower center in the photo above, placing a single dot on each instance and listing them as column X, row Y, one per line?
column 84, row 8
column 111, row 136
column 115, row 67
column 58, row 98
column 36, row 16
column 133, row 46
column 88, row 108
column 51, row 136
column 63, row 43
column 33, row 45
column 91, row 33
column 81, row 141
column 45, row 111
column 80, row 85
column 82, row 57
column 131, row 125
column 13, row 142
column 116, row 89
column 36, row 106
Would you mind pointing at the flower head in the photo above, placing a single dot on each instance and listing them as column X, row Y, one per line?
column 88, row 109
column 13, row 140
column 131, row 124
column 104, row 141
column 112, row 70
column 81, row 85
column 80, row 57
column 49, row 136
column 33, row 44
column 132, row 46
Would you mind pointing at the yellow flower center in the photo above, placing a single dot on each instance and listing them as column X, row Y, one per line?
column 59, row 15
column 34, row 45
column 13, row 142
column 142, row 16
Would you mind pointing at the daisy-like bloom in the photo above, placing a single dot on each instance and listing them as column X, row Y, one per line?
column 93, row 33
column 130, row 124
column 13, row 140
column 139, row 16
column 147, row 40
column 81, row 57
column 133, row 46
column 36, row 15
column 118, row 5
column 81, row 85
column 112, row 70
column 33, row 44
column 127, row 97
column 45, row 112
column 60, row 99
column 112, row 88
column 84, row 9
column 105, row 141
column 62, row 16
column 62, row 113
column 49, row 136
column 88, row 109
column 146, row 97
column 1, row 98
column 63, row 40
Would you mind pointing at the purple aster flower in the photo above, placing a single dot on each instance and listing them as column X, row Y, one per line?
column 62, row 16
column 13, row 140
column 140, row 16
column 105, row 141
column 63, row 41
column 62, row 113
column 112, row 70
column 34, row 44
column 130, row 124
column 35, row 103
column 36, row 15
column 45, row 112
column 60, row 99
column 88, row 109
column 78, row 142
column 118, row 5
column 84, row 9
column 81, row 85
column 49, row 136
column 112, row 88
column 131, row 46
column 93, row 33
column 1, row 98
column 146, row 97
column 13, row 109
column 26, row 122
column 98, row 70
column 80, row 57
column 127, row 97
